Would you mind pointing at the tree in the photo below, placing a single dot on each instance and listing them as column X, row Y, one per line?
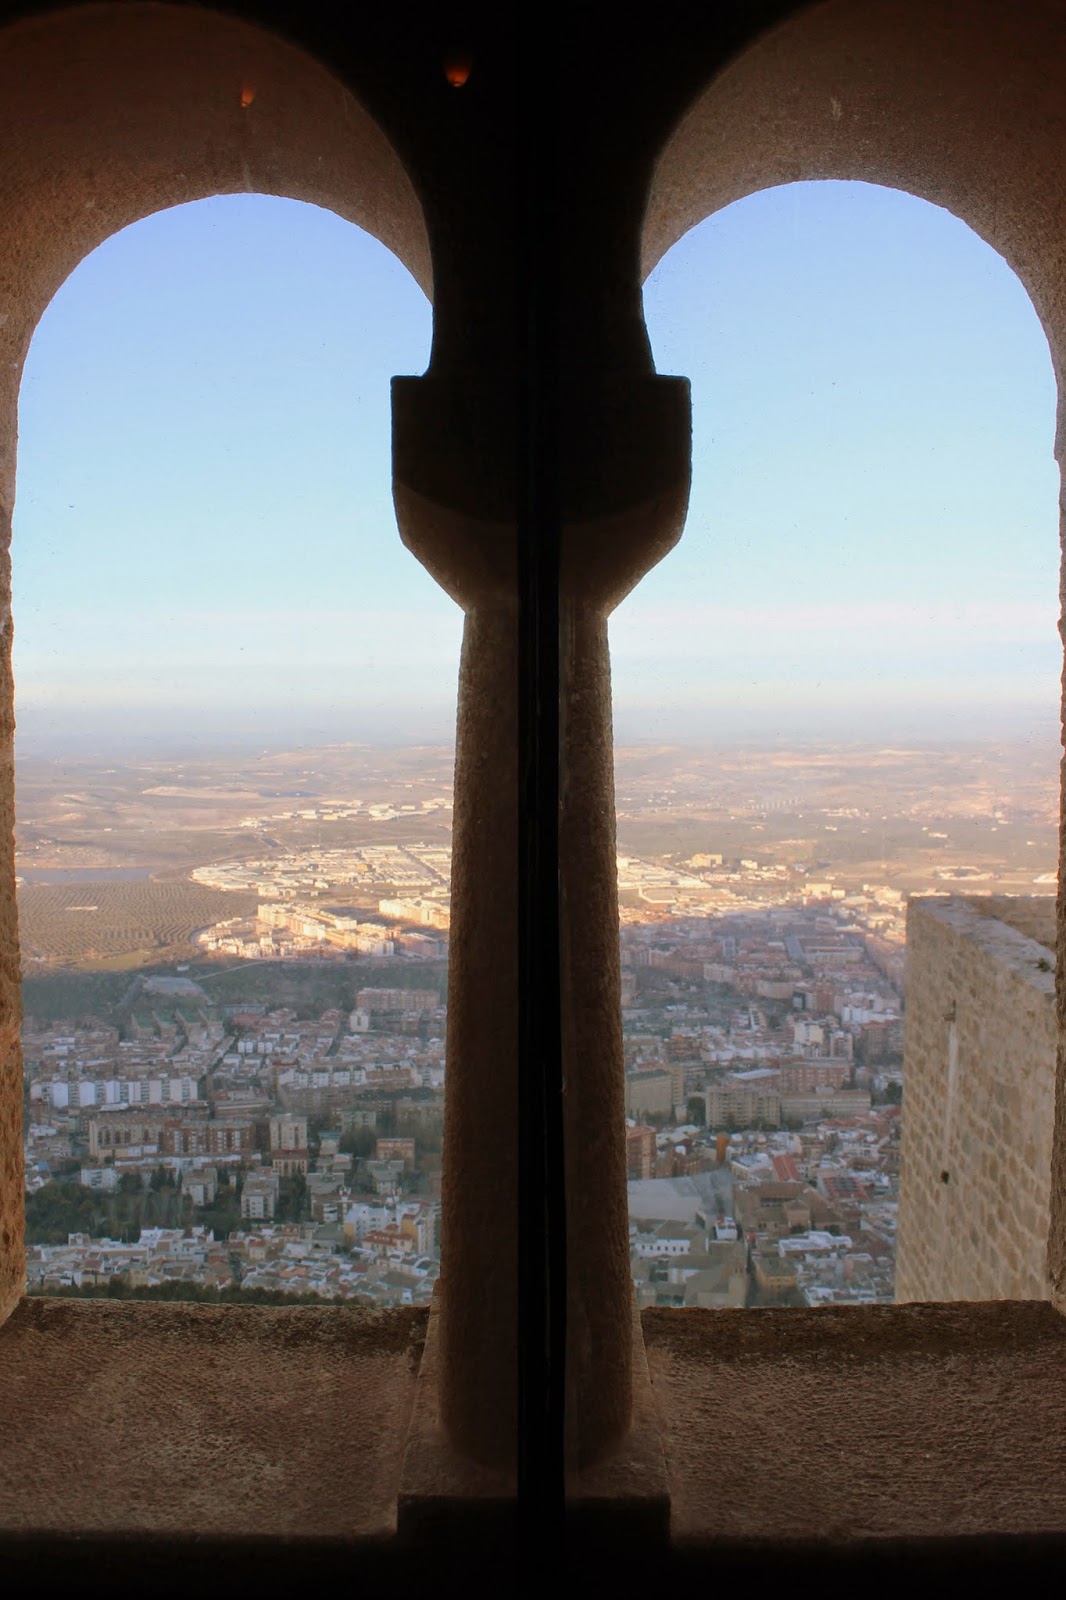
column 696, row 1110
column 57, row 1210
column 359, row 1142
column 292, row 1202
column 316, row 1127
column 430, row 1134
column 894, row 1094
column 130, row 1183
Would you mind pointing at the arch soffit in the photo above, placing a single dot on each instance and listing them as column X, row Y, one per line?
column 955, row 101
column 110, row 112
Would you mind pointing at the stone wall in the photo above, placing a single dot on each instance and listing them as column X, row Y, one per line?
column 978, row 1102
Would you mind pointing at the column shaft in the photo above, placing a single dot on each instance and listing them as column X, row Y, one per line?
column 479, row 1197
column 598, row 1304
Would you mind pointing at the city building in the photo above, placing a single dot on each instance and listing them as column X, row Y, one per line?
column 259, row 1196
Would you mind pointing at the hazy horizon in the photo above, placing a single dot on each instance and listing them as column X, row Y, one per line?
column 122, row 739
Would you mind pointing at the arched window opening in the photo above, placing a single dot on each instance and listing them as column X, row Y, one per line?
column 840, row 691
column 236, row 699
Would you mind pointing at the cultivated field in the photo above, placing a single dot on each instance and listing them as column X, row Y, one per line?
column 119, row 924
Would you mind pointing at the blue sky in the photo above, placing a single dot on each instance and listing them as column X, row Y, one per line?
column 204, row 535
column 873, row 528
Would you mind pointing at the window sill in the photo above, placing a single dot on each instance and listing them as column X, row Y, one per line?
column 200, row 1422
column 172, row 1442
column 847, row 1427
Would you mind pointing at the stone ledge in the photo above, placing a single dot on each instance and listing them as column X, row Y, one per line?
column 200, row 1422
column 839, row 1429
column 1033, row 916
column 170, row 1444
column 1001, row 931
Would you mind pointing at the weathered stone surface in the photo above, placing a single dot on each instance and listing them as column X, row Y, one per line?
column 183, row 1420
column 1032, row 915
column 838, row 1425
column 978, row 1104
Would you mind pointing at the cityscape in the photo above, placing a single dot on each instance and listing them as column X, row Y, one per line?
column 235, row 979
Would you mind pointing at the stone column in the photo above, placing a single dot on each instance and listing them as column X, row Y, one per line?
column 626, row 493
column 455, row 521
column 599, row 1389
column 479, row 1177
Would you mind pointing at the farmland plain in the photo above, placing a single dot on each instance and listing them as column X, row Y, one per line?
column 121, row 834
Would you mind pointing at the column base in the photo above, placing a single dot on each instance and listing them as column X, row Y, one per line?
column 622, row 1501
column 444, row 1496
column 625, row 1499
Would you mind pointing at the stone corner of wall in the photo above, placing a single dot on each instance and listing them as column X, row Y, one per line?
column 1015, row 932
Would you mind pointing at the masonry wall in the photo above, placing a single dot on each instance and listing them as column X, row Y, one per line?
column 978, row 1100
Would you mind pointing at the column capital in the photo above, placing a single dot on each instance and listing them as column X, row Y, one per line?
column 626, row 460
column 624, row 469
column 454, row 472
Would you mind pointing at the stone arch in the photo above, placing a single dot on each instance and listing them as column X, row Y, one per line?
column 955, row 101
column 110, row 112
